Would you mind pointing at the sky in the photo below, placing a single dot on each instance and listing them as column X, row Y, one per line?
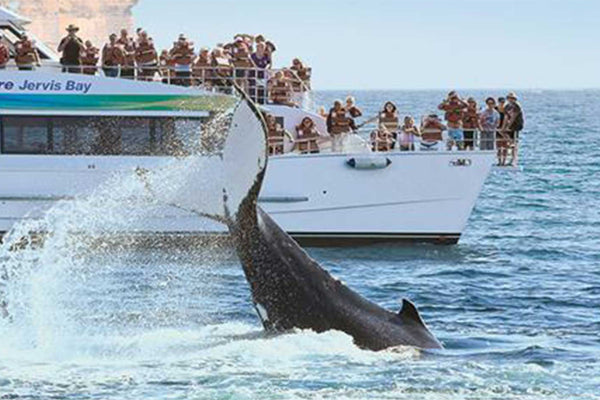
column 404, row 44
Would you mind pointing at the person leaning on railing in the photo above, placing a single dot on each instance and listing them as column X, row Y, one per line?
column 307, row 140
column 222, row 69
column 338, row 125
column 182, row 56
column 4, row 53
column 128, row 47
column 146, row 57
column 164, row 66
column 71, row 47
column 112, row 57
column 302, row 75
column 384, row 137
column 262, row 62
column 242, row 62
column 454, row 107
column 202, row 68
column 27, row 56
column 513, row 124
column 408, row 134
column 470, row 122
column 90, row 58
column 431, row 132
column 489, row 120
column 275, row 135
column 280, row 89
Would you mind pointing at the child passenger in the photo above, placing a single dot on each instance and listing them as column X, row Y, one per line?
column 408, row 133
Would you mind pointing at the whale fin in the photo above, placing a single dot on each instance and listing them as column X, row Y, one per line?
column 409, row 313
column 214, row 186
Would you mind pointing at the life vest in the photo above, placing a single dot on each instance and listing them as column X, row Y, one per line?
column 202, row 67
column 4, row 55
column 25, row 53
column 129, row 54
column 389, row 121
column 182, row 55
column 431, row 131
column 454, row 113
column 307, row 139
column 90, row 56
column 470, row 119
column 280, row 92
column 340, row 123
column 382, row 140
column 145, row 53
column 241, row 56
column 275, row 136
column 113, row 55
column 223, row 67
column 300, row 79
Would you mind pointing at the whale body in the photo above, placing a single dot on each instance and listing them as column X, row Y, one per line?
column 289, row 289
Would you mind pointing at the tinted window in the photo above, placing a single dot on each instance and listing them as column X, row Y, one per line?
column 25, row 135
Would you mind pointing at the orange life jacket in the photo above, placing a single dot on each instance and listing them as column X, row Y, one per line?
column 389, row 121
column 113, row 55
column 241, row 56
column 90, row 56
column 307, row 139
column 280, row 92
column 4, row 55
column 340, row 123
column 202, row 67
column 145, row 53
column 431, row 131
column 275, row 136
column 182, row 55
column 25, row 53
column 381, row 140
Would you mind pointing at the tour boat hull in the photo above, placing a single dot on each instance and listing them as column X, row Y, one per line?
column 321, row 199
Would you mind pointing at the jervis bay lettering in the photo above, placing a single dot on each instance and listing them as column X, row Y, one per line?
column 46, row 86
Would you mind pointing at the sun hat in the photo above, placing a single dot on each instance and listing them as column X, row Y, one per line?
column 72, row 28
column 512, row 95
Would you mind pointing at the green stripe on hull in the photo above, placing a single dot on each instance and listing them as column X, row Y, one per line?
column 111, row 102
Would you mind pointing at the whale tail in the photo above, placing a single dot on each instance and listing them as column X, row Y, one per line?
column 216, row 185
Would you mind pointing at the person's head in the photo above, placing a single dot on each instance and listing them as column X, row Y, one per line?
column 409, row 121
column 260, row 47
column 501, row 101
column 389, row 107
column 279, row 74
column 490, row 102
column 472, row 102
column 143, row 35
column 297, row 63
column 350, row 101
column 259, row 39
column 452, row 95
column 511, row 97
column 124, row 33
column 164, row 54
column 72, row 30
column 271, row 47
column 204, row 52
column 181, row 39
column 307, row 122
column 337, row 104
column 25, row 37
column 112, row 38
column 270, row 119
column 432, row 117
column 88, row 44
column 139, row 30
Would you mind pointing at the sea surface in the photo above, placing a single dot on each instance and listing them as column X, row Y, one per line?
column 516, row 303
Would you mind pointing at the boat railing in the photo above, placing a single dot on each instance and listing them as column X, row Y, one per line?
column 258, row 83
column 362, row 141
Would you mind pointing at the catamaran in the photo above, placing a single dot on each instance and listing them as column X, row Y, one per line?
column 62, row 135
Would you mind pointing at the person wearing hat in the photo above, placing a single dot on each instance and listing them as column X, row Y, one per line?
column 146, row 57
column 72, row 48
column 431, row 132
column 4, row 52
column 513, row 124
column 454, row 108
column 182, row 57
column 27, row 56
column 201, row 69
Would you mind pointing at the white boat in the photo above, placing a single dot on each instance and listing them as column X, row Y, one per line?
column 51, row 124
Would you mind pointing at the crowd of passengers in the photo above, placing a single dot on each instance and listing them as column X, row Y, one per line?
column 498, row 125
column 246, row 61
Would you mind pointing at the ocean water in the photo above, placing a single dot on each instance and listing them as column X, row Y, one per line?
column 516, row 302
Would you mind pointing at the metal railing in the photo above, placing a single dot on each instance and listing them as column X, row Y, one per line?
column 258, row 83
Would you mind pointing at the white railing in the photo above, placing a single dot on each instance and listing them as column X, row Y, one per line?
column 256, row 82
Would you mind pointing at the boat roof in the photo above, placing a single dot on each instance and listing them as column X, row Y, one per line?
column 13, row 23
column 10, row 17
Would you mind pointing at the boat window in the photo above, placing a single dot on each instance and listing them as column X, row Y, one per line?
column 100, row 135
column 29, row 135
